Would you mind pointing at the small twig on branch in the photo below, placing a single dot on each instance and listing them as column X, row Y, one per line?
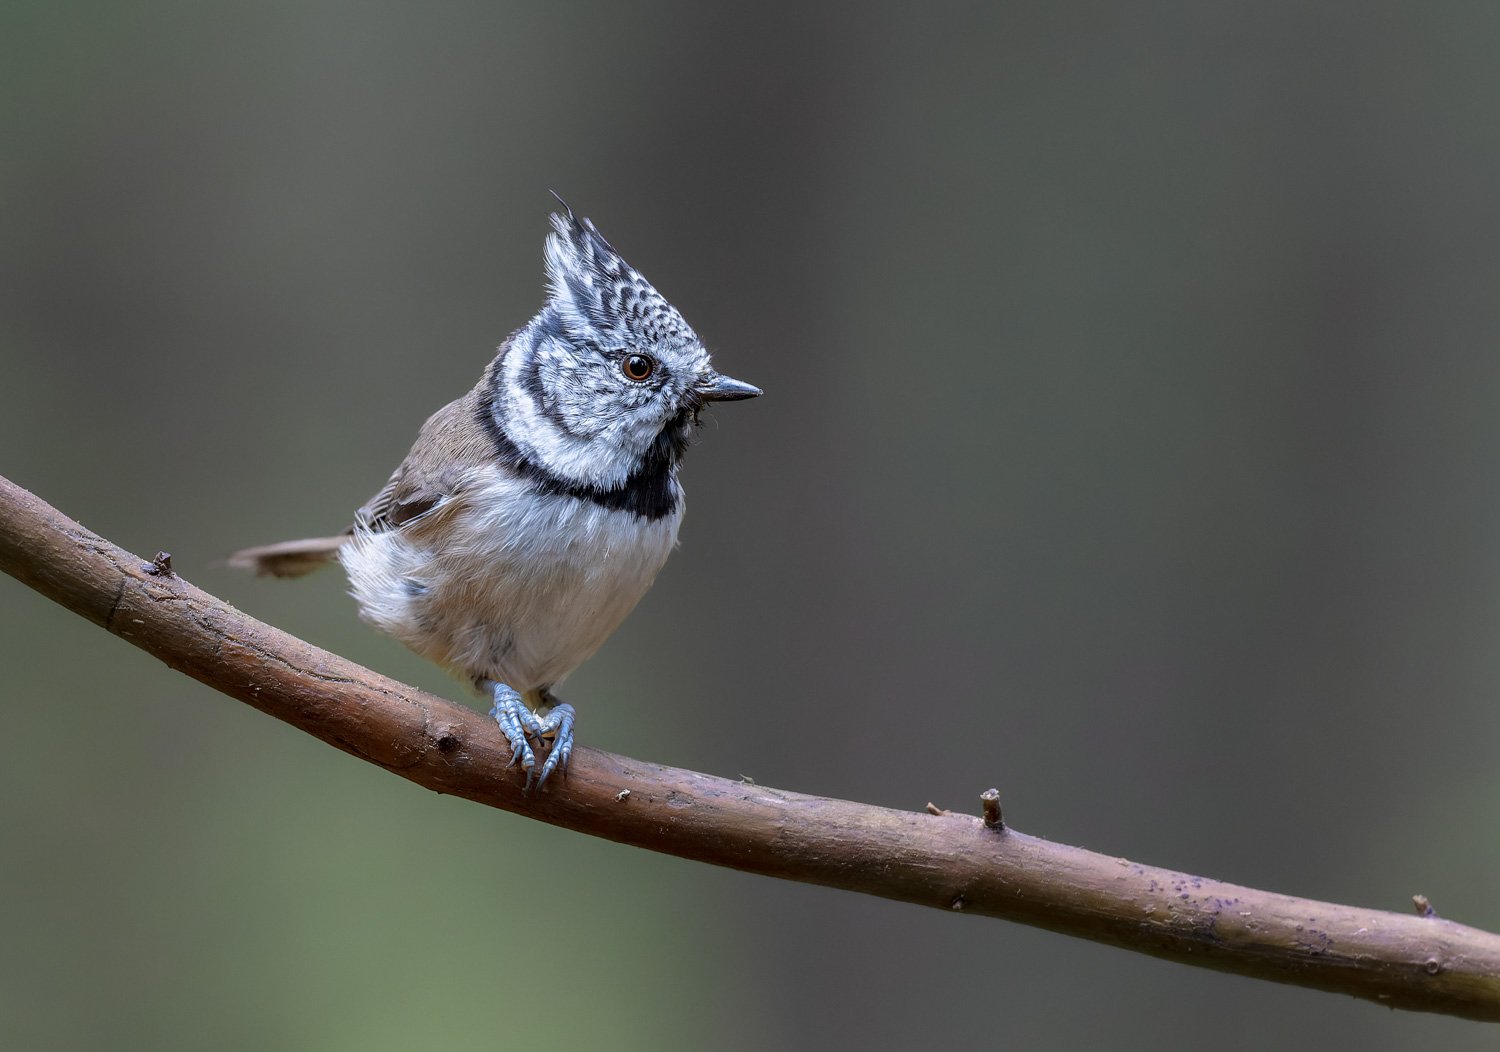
column 989, row 803
column 944, row 860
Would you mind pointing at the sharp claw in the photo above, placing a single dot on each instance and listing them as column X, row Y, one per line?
column 557, row 761
column 521, row 753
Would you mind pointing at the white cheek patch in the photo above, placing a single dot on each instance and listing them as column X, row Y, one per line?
column 604, row 457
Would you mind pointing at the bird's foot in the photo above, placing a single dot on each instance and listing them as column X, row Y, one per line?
column 517, row 723
column 559, row 724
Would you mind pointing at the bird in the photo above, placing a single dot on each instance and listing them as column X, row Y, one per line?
column 534, row 512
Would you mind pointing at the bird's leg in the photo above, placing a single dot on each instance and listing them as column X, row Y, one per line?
column 517, row 722
column 559, row 723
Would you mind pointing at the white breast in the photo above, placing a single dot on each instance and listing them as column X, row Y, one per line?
column 502, row 583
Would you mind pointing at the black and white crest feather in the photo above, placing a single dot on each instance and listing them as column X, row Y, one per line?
column 592, row 284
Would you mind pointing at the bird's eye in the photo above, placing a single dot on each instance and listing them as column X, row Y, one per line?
column 638, row 367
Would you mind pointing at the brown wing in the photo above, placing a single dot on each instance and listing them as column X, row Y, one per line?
column 450, row 445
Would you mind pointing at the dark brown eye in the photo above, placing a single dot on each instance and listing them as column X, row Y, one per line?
column 638, row 367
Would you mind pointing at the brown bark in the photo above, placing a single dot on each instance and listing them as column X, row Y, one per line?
column 947, row 861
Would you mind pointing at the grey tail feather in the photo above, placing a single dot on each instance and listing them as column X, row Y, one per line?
column 289, row 558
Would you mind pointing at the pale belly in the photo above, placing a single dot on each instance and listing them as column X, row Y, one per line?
column 506, row 585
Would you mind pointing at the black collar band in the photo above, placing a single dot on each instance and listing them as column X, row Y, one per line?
column 650, row 491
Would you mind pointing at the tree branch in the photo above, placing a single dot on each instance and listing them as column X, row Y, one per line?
column 946, row 861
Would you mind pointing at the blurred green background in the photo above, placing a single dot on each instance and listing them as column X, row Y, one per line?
column 1129, row 443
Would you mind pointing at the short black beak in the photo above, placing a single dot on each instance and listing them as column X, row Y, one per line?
column 719, row 388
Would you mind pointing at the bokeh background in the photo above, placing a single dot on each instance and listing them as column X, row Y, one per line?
column 1129, row 443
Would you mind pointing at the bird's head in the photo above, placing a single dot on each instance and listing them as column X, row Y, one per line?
column 608, row 379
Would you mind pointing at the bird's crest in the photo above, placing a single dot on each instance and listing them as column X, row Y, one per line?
column 592, row 287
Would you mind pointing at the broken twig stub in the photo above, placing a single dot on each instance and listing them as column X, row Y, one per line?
column 161, row 566
column 990, row 801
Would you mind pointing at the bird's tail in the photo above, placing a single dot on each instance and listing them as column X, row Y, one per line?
column 289, row 558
